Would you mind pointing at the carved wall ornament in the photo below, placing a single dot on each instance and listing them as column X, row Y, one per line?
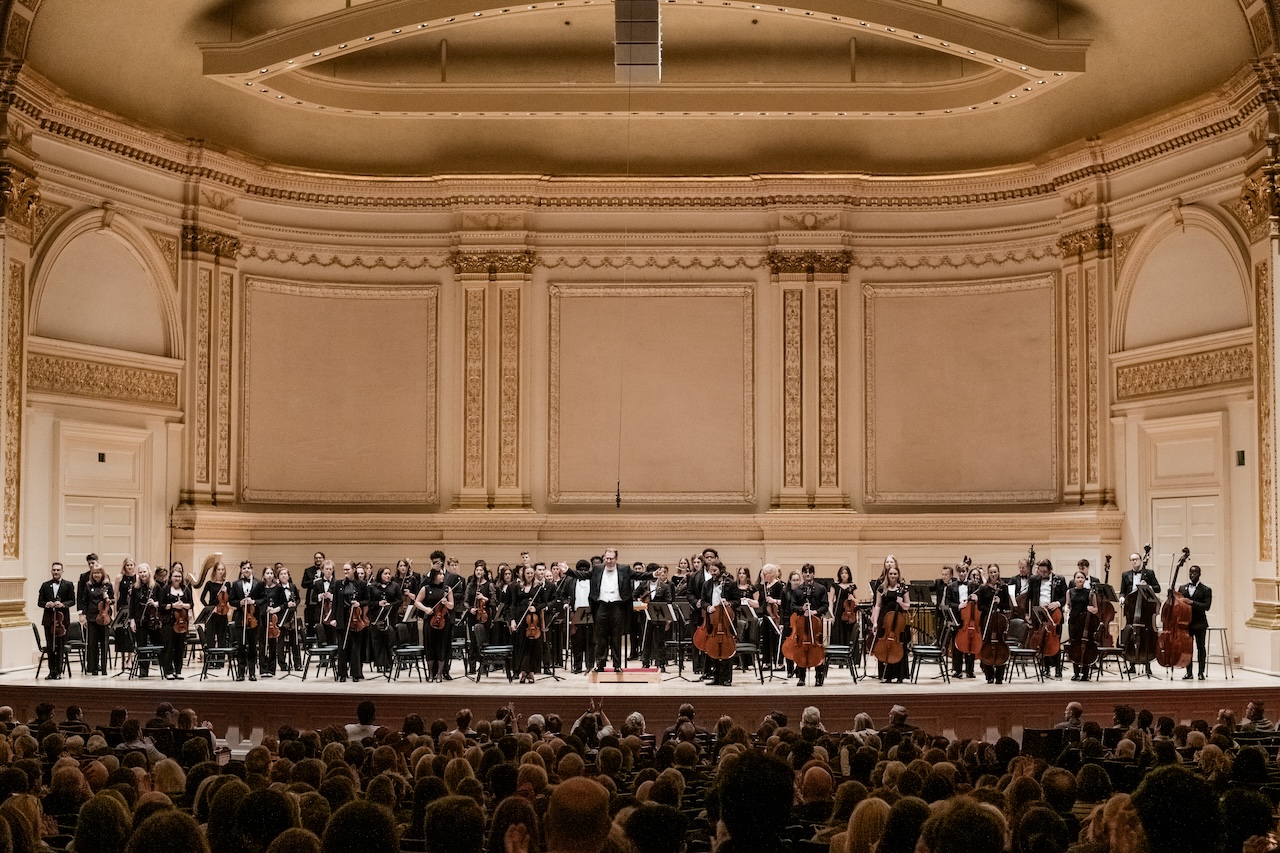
column 671, row 262
column 493, row 221
column 1258, row 132
column 1073, row 378
column 792, row 388
column 45, row 214
column 169, row 249
column 1079, row 198
column 205, row 241
column 1252, row 208
column 83, row 378
column 828, row 388
column 473, row 391
column 19, row 194
column 1092, row 374
column 15, row 347
column 20, row 137
column 204, row 303
column 217, row 199
column 1263, row 394
column 1229, row 366
column 810, row 262
column 809, row 221
column 493, row 263
column 1123, row 243
column 1260, row 24
column 509, row 388
column 15, row 42
column 314, row 259
column 224, row 379
column 937, row 262
column 1085, row 241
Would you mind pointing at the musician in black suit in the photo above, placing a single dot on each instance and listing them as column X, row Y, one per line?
column 957, row 596
column 246, row 594
column 575, row 588
column 1135, row 577
column 1201, row 599
column 697, row 578
column 612, row 586
column 810, row 599
column 309, row 575
column 720, row 588
column 56, row 595
column 1048, row 591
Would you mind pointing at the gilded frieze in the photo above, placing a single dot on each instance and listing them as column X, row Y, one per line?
column 473, row 392
column 493, row 263
column 98, row 380
column 1264, row 395
column 828, row 388
column 810, row 262
column 206, row 241
column 224, row 380
column 1073, row 378
column 1091, row 362
column 1229, row 366
column 1252, row 208
column 169, row 249
column 204, row 309
column 15, row 338
column 1086, row 241
column 509, row 389
column 792, row 389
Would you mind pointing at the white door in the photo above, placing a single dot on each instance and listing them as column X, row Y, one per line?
column 103, row 526
column 1191, row 523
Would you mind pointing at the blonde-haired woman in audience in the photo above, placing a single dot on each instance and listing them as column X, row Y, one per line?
column 455, row 771
column 866, row 825
column 167, row 777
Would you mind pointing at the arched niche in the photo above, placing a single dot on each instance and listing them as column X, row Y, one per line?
column 103, row 282
column 1186, row 277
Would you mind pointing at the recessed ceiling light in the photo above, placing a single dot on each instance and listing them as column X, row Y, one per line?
column 1057, row 74
column 395, row 32
column 1022, row 67
column 998, row 59
column 341, row 46
column 368, row 38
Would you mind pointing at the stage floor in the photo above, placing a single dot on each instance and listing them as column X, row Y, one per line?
column 963, row 708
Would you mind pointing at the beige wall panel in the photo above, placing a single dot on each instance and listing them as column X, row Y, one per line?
column 339, row 394
column 961, row 392
column 679, row 361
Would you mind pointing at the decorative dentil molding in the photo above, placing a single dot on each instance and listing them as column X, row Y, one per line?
column 206, row 241
column 100, row 380
column 1212, row 369
column 1264, row 396
column 810, row 263
column 1085, row 241
column 1252, row 208
column 14, row 340
column 493, row 263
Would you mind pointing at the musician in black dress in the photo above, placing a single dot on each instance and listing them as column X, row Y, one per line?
column 56, row 595
column 384, row 608
column 272, row 605
column 1081, row 600
column 892, row 594
column 659, row 590
column 217, row 625
column 348, row 621
column 289, row 649
column 478, row 594
column 1201, row 599
column 525, row 617
column 174, row 599
column 95, row 605
column 810, row 600
column 245, row 597
column 844, row 590
column 435, row 602
column 142, row 613
column 956, row 596
column 320, row 602
column 720, row 590
column 772, row 597
column 992, row 594
column 457, row 586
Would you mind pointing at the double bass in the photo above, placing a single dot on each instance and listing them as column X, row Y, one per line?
column 1084, row 643
column 1106, row 613
column 1174, row 646
column 1139, row 636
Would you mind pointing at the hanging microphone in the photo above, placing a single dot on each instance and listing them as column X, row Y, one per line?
column 617, row 498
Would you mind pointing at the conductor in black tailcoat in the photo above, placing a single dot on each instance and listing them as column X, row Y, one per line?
column 610, row 597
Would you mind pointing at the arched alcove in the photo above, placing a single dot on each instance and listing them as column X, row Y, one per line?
column 1186, row 279
column 98, row 285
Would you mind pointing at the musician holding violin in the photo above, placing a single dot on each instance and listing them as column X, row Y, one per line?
column 771, row 593
column 96, row 612
column 1200, row 597
column 175, row 605
column 528, row 595
column 270, row 614
column 143, row 610
column 384, row 607
column 958, row 598
column 808, row 601
column 289, row 654
column 56, row 598
column 720, row 597
column 215, row 595
column 1046, row 597
column 244, row 598
column 844, row 607
column 993, row 602
column 889, row 617
column 1081, row 624
column 435, row 604
column 478, row 598
column 320, row 602
column 349, row 619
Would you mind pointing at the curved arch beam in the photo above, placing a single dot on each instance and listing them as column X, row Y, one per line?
column 273, row 66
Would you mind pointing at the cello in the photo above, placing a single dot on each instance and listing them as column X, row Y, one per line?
column 721, row 636
column 1084, row 645
column 1106, row 613
column 890, row 625
column 1139, row 637
column 1173, row 648
column 995, row 644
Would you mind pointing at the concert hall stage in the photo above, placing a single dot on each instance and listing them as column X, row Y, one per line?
column 964, row 708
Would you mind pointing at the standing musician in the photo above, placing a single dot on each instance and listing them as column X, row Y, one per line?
column 349, row 593
column 958, row 594
column 384, row 610
column 528, row 594
column 611, row 591
column 699, row 574
column 1049, row 591
column 1089, row 580
column 409, row 582
column 320, row 601
column 435, row 602
column 772, row 595
column 477, row 598
column 946, row 577
column 289, row 654
column 215, row 595
column 748, row 596
column 1201, row 599
column 992, row 594
column 1082, row 601
column 142, row 608
column 721, row 587
column 174, row 599
column 245, row 598
column 810, row 599
column 95, row 606
column 56, row 599
column 309, row 575
column 844, row 600
column 124, row 594
column 1019, row 583
column 654, row 639
column 892, row 594
column 552, row 630
column 457, row 584
column 576, row 589
column 1134, row 577
column 792, row 584
column 272, row 605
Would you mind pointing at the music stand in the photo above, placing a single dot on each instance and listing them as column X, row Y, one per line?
column 682, row 616
column 557, row 617
column 662, row 614
column 582, row 619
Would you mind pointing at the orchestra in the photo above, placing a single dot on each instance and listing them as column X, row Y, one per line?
column 553, row 616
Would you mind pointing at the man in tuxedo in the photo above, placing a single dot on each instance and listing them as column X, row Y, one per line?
column 575, row 588
column 1049, row 591
column 610, row 598
column 91, row 560
column 809, row 600
column 246, row 593
column 1136, row 577
column 1201, row 599
column 56, row 595
column 720, row 590
column 693, row 593
column 1019, row 583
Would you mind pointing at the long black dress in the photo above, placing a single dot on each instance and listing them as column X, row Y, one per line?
column 528, row 650
column 889, row 598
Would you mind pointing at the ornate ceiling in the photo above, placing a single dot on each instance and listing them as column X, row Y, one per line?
column 418, row 87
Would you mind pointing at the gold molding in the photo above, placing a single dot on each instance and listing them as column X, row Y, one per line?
column 1197, row 371
column 1264, row 373
column 13, row 614
column 1086, row 241
column 809, row 221
column 828, row 387
column 745, row 293
column 1252, row 208
column 793, row 388
column 206, row 241
column 509, row 388
column 169, row 249
column 46, row 213
column 493, row 263
column 1073, row 378
column 15, row 348
column 100, row 380
column 224, row 379
column 15, row 42
column 1123, row 243
column 19, row 198
column 334, row 260
column 1091, row 374
column 1260, row 26
column 204, row 302
column 810, row 263
column 650, row 262
column 473, row 474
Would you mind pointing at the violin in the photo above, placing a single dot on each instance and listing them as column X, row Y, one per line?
column 482, row 608
column 223, row 607
column 439, row 613
column 181, row 620
column 103, row 616
column 359, row 619
column 151, row 614
column 273, row 626
column 59, row 622
column 1106, row 614
column 250, row 615
column 1173, row 648
column 532, row 625
column 849, row 608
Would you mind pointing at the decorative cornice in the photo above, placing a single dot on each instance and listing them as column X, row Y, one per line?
column 810, row 263
column 83, row 378
column 1213, row 369
column 493, row 263
column 1085, row 241
column 13, row 614
column 205, row 241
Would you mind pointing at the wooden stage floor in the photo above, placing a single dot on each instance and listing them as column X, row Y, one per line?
column 963, row 708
